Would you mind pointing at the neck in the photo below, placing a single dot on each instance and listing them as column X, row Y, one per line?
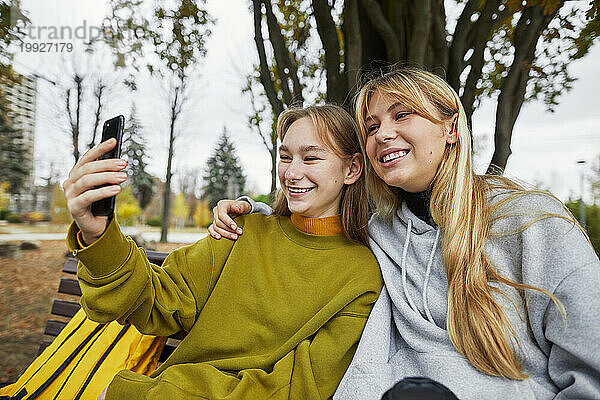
column 418, row 204
column 325, row 226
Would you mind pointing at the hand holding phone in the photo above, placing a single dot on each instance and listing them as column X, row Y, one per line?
column 113, row 128
column 96, row 177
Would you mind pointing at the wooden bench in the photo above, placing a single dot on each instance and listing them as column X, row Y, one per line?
column 64, row 309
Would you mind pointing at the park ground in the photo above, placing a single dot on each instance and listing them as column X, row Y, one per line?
column 28, row 285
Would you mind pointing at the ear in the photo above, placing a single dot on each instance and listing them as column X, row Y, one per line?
column 354, row 169
column 452, row 133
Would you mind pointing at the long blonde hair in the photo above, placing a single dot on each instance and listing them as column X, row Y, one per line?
column 337, row 130
column 476, row 323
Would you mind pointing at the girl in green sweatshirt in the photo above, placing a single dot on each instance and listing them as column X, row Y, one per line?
column 274, row 315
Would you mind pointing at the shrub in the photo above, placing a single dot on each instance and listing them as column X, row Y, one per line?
column 153, row 221
column 14, row 218
column 34, row 216
column 127, row 207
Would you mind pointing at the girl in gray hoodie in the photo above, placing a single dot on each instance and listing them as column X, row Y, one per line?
column 489, row 289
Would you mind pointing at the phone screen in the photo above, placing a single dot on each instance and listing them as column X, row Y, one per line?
column 113, row 128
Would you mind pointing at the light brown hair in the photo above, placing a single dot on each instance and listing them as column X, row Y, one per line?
column 337, row 130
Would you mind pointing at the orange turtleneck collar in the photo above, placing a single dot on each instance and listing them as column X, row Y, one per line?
column 326, row 226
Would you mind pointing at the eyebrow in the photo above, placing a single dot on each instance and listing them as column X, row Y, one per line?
column 305, row 148
column 390, row 108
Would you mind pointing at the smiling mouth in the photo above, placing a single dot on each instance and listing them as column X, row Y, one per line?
column 393, row 156
column 299, row 190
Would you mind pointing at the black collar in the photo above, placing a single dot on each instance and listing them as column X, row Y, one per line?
column 418, row 204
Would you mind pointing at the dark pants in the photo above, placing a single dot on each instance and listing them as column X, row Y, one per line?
column 419, row 389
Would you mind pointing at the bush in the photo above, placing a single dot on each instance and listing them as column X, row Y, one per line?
column 154, row 221
column 14, row 218
column 4, row 214
column 34, row 216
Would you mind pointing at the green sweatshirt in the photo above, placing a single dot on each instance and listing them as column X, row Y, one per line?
column 276, row 314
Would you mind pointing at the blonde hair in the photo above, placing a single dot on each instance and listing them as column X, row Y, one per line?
column 337, row 130
column 476, row 323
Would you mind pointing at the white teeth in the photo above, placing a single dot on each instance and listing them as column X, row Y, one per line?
column 393, row 156
column 295, row 190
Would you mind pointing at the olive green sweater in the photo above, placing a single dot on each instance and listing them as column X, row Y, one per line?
column 275, row 315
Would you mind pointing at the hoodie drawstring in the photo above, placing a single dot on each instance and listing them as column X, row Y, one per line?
column 403, row 266
column 426, row 281
column 427, row 272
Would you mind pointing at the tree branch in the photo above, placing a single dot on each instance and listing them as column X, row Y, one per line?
column 482, row 32
column 336, row 86
column 73, row 125
column 459, row 48
column 384, row 29
column 98, row 92
column 286, row 69
column 265, row 73
column 512, row 92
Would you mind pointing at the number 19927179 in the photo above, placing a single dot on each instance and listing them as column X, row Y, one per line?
column 46, row 47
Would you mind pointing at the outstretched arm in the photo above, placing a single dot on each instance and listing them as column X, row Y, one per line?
column 119, row 283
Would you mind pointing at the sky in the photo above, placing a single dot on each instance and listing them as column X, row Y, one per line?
column 546, row 146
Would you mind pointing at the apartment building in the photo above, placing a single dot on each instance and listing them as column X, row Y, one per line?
column 22, row 98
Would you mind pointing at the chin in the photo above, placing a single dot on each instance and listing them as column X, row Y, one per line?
column 395, row 180
column 296, row 208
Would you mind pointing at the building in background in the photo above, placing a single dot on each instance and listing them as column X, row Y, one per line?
column 22, row 97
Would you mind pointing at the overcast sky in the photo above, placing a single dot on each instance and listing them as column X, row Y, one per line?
column 545, row 146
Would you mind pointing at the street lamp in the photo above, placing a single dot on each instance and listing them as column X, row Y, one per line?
column 581, row 203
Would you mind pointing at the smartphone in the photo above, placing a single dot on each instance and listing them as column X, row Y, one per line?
column 113, row 128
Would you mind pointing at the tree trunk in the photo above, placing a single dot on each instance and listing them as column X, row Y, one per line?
column 459, row 46
column 166, row 211
column 265, row 74
column 285, row 62
column 439, row 44
column 383, row 28
column 479, row 36
column 353, row 46
column 512, row 92
column 273, row 168
column 420, row 33
column 98, row 113
column 78, row 83
column 336, row 85
column 74, row 119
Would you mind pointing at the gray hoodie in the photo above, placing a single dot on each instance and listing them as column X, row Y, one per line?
column 406, row 331
column 406, row 335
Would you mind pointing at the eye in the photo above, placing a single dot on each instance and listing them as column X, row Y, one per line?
column 402, row 114
column 311, row 158
column 284, row 157
column 372, row 129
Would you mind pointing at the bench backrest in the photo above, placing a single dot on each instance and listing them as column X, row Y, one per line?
column 65, row 309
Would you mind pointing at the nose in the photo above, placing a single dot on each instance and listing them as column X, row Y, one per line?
column 293, row 171
column 385, row 132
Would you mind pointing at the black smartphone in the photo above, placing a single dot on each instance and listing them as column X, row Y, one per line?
column 113, row 128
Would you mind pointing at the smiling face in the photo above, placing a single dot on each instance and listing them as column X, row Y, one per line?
column 404, row 148
column 311, row 175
